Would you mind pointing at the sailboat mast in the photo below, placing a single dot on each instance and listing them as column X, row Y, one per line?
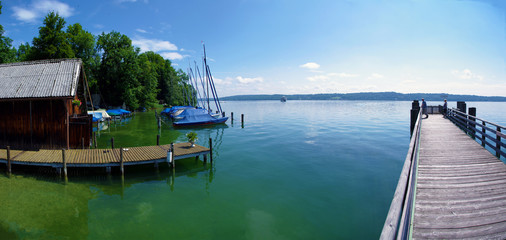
column 206, row 76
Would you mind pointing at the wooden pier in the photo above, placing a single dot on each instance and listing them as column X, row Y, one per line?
column 104, row 157
column 451, row 187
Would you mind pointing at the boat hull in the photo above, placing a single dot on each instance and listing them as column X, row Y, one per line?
column 199, row 123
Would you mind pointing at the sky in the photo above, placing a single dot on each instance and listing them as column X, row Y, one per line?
column 303, row 47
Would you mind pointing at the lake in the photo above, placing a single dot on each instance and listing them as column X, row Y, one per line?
column 294, row 170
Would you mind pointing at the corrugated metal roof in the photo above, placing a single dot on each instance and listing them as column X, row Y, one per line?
column 39, row 79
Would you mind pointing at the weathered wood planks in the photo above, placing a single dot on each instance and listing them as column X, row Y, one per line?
column 461, row 187
column 102, row 157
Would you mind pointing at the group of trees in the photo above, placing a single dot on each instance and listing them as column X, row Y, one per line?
column 113, row 66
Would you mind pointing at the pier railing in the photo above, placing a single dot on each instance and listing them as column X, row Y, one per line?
column 398, row 221
column 488, row 133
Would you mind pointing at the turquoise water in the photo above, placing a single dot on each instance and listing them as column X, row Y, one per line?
column 294, row 170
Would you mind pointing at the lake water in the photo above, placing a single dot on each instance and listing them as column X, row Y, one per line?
column 294, row 170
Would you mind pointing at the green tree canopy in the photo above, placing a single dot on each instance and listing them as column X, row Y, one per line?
column 117, row 73
column 7, row 53
column 52, row 41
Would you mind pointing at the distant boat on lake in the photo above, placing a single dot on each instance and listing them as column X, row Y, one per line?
column 283, row 99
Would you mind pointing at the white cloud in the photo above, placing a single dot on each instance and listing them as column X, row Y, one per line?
column 318, row 77
column 466, row 74
column 329, row 76
column 40, row 8
column 375, row 76
column 154, row 45
column 249, row 80
column 99, row 26
column 141, row 30
column 171, row 55
column 310, row 65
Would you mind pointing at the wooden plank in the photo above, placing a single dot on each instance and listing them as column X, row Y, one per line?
column 461, row 187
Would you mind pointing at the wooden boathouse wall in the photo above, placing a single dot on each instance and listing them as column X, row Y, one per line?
column 50, row 122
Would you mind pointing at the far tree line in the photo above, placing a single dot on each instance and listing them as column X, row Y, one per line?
column 114, row 68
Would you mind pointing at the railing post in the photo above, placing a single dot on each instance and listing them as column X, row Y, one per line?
column 472, row 125
column 415, row 108
column 483, row 138
column 498, row 143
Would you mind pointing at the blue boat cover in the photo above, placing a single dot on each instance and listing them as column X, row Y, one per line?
column 174, row 109
column 115, row 112
column 197, row 116
column 97, row 116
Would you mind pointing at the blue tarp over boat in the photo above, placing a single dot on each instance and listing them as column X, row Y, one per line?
column 197, row 116
column 97, row 116
column 171, row 110
column 116, row 112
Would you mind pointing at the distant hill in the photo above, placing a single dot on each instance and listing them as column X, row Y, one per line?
column 390, row 96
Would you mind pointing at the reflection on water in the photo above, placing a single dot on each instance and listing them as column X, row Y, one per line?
column 296, row 170
column 41, row 206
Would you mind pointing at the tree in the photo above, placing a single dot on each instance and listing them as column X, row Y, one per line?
column 83, row 45
column 23, row 52
column 117, row 73
column 52, row 42
column 7, row 53
column 148, row 79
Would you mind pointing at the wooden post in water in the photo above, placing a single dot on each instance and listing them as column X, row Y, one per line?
column 242, row 118
column 415, row 109
column 232, row 117
column 112, row 143
column 211, row 150
column 159, row 122
column 498, row 142
column 121, row 162
column 9, row 169
column 173, row 165
column 95, row 139
column 64, row 162
column 157, row 139
column 471, row 126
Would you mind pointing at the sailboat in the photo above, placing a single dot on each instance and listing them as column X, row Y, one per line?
column 201, row 115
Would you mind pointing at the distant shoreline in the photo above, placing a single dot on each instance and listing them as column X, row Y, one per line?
column 389, row 96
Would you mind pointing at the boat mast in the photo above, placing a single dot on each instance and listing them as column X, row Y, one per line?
column 204, row 68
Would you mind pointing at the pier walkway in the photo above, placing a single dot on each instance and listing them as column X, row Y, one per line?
column 451, row 187
column 103, row 157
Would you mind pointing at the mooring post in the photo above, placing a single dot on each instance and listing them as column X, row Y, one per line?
column 95, row 139
column 112, row 143
column 9, row 170
column 157, row 139
column 415, row 109
column 121, row 161
column 64, row 162
column 173, row 164
column 232, row 117
column 211, row 150
column 472, row 125
column 242, row 118
column 498, row 142
column 159, row 122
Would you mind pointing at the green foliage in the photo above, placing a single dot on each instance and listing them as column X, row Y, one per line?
column 7, row 53
column 192, row 136
column 52, row 41
column 113, row 67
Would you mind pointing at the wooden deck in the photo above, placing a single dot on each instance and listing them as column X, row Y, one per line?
column 460, row 188
column 102, row 157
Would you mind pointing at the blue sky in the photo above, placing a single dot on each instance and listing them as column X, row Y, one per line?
column 291, row 47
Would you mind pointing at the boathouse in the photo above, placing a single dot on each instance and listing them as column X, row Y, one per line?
column 43, row 105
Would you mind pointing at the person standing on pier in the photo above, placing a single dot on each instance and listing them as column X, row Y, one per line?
column 445, row 109
column 424, row 108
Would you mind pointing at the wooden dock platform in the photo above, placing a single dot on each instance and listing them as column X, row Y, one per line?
column 460, row 186
column 103, row 157
column 451, row 186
